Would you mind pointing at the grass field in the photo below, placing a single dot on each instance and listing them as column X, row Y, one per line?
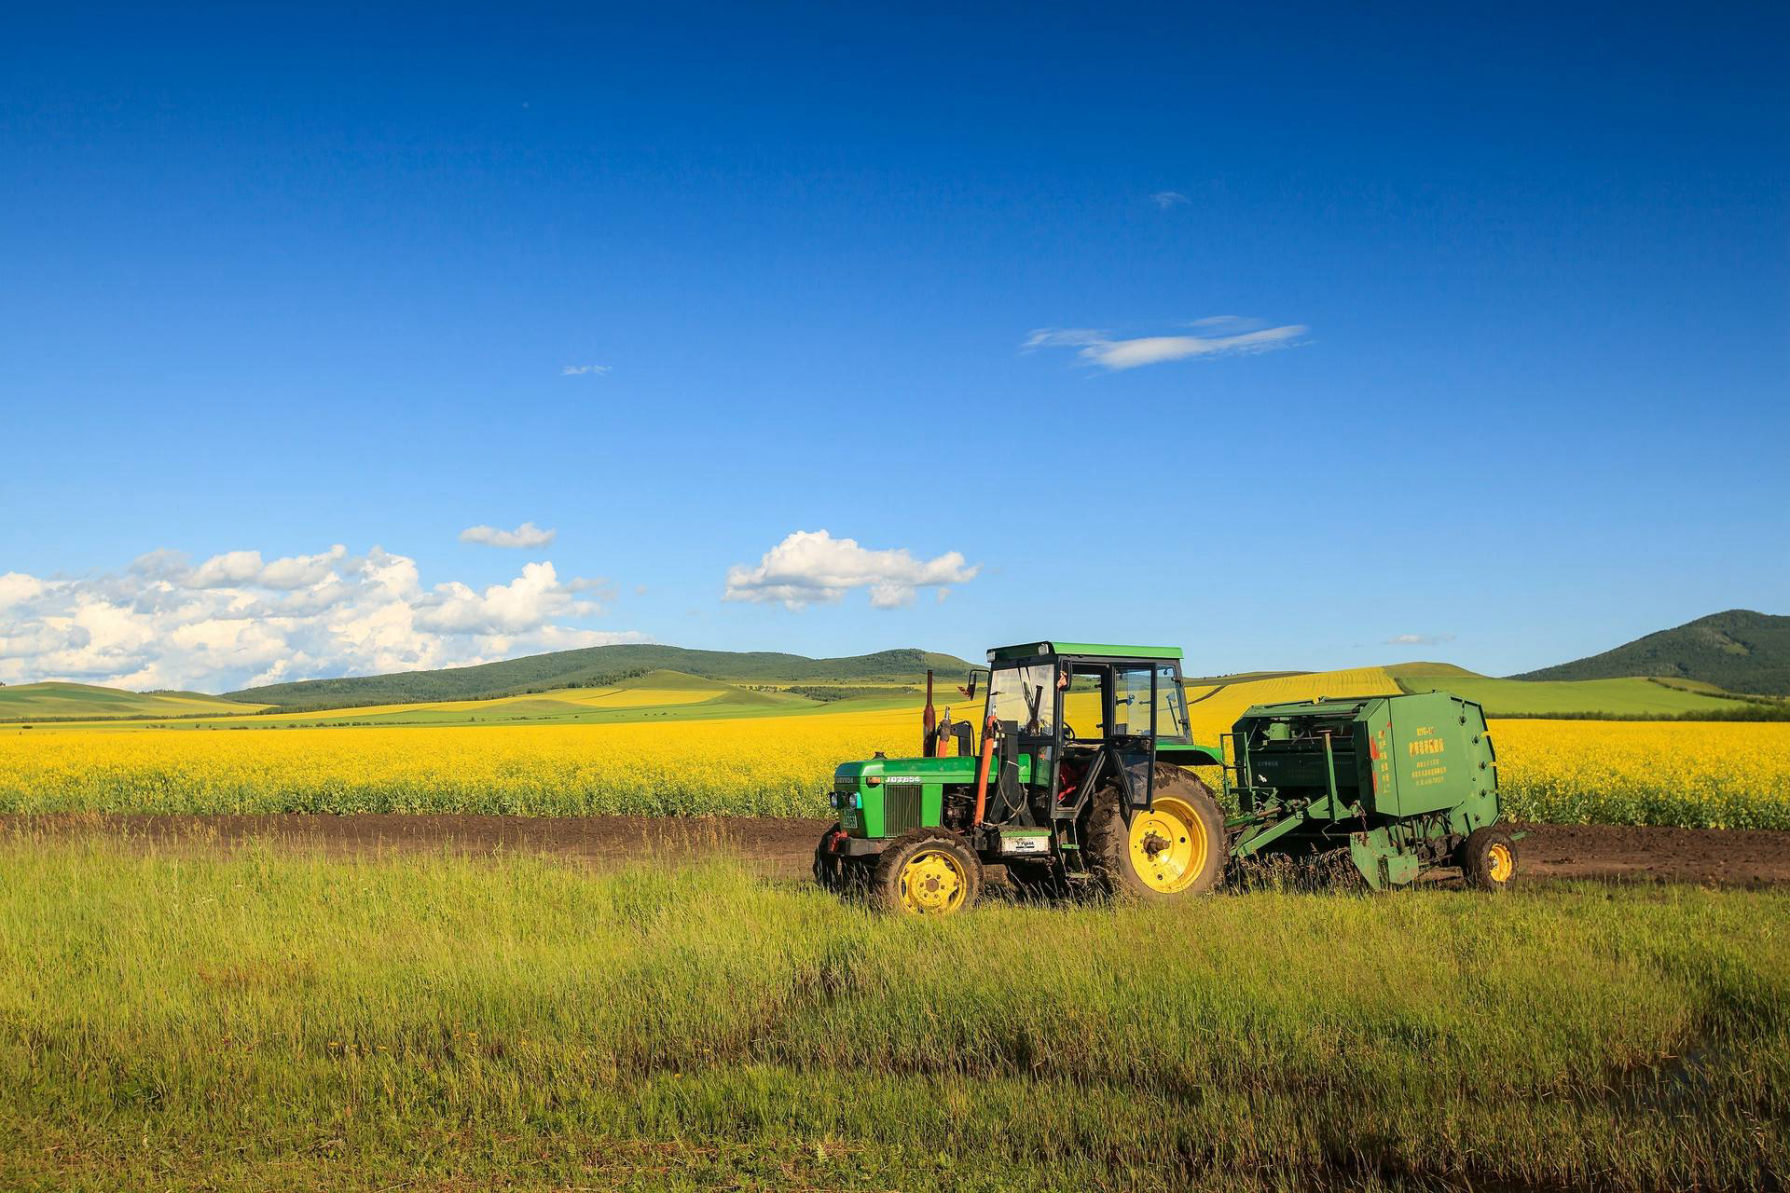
column 288, row 1022
column 66, row 701
column 1538, row 698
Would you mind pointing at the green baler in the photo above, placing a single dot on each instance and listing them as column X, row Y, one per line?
column 1394, row 784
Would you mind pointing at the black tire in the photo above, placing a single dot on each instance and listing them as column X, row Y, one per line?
column 927, row 871
column 829, row 867
column 1488, row 859
column 1109, row 841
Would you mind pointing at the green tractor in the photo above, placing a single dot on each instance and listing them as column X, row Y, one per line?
column 1077, row 782
column 1074, row 782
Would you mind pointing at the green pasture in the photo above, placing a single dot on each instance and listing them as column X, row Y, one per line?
column 771, row 696
column 1542, row 698
column 286, row 1021
column 74, row 701
column 552, row 708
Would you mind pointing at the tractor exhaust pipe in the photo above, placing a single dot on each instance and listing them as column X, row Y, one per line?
column 929, row 723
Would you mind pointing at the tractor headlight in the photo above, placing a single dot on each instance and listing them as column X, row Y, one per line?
column 857, row 800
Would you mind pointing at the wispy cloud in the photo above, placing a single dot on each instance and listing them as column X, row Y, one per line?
column 1219, row 335
column 583, row 370
column 1168, row 199
column 813, row 567
column 1419, row 639
column 527, row 535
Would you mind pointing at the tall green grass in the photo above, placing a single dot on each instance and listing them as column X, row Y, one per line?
column 293, row 1022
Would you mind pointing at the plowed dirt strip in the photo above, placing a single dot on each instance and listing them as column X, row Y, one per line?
column 781, row 848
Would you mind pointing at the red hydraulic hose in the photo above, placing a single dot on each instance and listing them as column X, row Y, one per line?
column 982, row 773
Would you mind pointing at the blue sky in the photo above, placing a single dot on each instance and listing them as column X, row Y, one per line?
column 1441, row 335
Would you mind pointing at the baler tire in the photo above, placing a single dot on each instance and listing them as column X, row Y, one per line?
column 1109, row 839
column 1488, row 859
column 950, row 862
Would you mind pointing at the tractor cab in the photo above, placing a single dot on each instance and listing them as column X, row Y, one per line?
column 1082, row 717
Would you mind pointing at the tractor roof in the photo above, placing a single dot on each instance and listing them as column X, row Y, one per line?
column 1031, row 650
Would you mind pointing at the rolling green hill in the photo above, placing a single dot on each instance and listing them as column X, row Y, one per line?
column 656, row 695
column 79, row 701
column 1626, row 697
column 1739, row 651
column 601, row 666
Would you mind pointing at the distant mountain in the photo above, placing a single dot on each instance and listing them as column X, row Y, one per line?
column 80, row 701
column 601, row 665
column 1739, row 651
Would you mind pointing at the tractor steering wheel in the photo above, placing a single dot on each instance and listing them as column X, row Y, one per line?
column 1069, row 733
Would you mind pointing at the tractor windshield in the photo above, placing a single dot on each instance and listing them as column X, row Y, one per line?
column 1026, row 695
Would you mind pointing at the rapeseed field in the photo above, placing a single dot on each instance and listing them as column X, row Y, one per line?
column 1715, row 775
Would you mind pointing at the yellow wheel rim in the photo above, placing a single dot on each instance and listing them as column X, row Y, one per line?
column 1169, row 845
column 1500, row 862
column 933, row 883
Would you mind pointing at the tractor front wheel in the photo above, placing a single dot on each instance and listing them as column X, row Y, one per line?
column 926, row 872
column 830, row 867
column 1488, row 859
column 1174, row 848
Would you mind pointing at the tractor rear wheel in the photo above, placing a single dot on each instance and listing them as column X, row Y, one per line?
column 1488, row 859
column 1175, row 848
column 927, row 871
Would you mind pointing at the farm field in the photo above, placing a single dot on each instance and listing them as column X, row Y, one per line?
column 1688, row 774
column 1627, row 697
column 278, row 1020
column 67, row 701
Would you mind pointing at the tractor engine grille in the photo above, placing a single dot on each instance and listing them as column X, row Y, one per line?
column 901, row 807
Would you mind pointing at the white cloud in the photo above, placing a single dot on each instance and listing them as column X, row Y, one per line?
column 583, row 370
column 530, row 600
column 17, row 587
column 525, row 535
column 1168, row 199
column 1419, row 639
column 1219, row 335
column 235, row 620
column 813, row 567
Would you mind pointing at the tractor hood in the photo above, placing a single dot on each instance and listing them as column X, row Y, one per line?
column 882, row 797
column 872, row 772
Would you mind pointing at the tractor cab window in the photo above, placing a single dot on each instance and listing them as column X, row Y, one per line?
column 1142, row 707
column 1027, row 696
column 1171, row 706
column 1132, row 701
column 1084, row 703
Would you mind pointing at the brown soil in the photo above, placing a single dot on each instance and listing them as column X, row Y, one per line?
column 783, row 848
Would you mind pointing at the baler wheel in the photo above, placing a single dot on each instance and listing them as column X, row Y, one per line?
column 926, row 872
column 1488, row 859
column 1175, row 848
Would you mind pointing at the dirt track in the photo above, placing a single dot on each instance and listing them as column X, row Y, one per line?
column 781, row 848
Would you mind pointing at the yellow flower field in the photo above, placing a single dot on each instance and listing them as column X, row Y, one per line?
column 772, row 766
column 1724, row 774
column 1700, row 774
